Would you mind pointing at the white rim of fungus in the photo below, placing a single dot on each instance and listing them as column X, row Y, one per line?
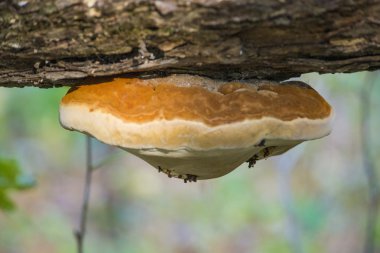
column 191, row 135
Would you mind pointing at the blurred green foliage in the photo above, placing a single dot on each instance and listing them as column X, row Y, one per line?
column 12, row 178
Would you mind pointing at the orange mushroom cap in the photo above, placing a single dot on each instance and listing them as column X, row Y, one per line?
column 194, row 127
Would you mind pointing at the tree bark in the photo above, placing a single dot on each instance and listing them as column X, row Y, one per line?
column 49, row 43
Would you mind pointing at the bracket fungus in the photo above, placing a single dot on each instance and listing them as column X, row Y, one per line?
column 192, row 127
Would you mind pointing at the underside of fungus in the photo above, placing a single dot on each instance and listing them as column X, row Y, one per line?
column 192, row 127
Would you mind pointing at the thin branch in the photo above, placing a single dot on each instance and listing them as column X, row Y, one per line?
column 285, row 166
column 81, row 231
column 369, row 168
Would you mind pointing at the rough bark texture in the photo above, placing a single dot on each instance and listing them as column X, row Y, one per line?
column 64, row 42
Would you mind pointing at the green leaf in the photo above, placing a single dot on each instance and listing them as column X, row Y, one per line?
column 12, row 178
column 6, row 203
column 8, row 173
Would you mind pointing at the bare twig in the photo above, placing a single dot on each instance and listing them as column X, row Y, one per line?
column 369, row 168
column 81, row 231
column 285, row 166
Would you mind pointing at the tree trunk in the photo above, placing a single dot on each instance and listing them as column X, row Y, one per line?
column 48, row 43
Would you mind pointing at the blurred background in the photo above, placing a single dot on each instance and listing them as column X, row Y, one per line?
column 314, row 198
